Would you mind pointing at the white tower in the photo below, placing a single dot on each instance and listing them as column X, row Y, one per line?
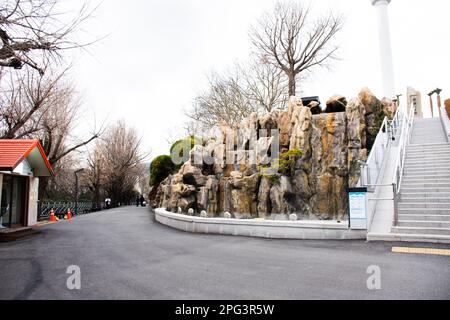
column 387, row 66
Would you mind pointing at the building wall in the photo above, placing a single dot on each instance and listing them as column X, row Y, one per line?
column 24, row 169
column 1, row 184
column 33, row 201
column 415, row 98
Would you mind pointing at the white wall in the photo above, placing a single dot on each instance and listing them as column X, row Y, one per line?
column 1, row 184
column 32, row 201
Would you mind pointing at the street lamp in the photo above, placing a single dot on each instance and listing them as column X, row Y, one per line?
column 431, row 103
column 76, row 189
column 439, row 104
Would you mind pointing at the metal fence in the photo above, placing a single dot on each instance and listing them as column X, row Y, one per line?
column 61, row 208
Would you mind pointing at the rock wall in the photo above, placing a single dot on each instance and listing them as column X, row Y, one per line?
column 322, row 151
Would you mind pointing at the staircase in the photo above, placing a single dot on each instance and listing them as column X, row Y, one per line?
column 424, row 204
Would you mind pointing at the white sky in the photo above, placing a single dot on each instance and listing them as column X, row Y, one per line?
column 158, row 52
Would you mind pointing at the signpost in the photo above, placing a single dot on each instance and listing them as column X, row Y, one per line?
column 358, row 208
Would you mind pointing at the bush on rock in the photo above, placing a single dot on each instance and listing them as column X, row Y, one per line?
column 160, row 168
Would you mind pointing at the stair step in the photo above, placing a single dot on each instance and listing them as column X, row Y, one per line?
column 428, row 165
column 435, row 180
column 424, row 195
column 427, row 176
column 428, row 160
column 415, row 230
column 427, row 171
column 408, row 189
column 7, row 235
column 418, row 138
column 417, row 146
column 432, row 211
column 425, row 160
column 424, row 141
column 405, row 199
column 424, row 217
column 425, row 184
column 424, row 224
column 425, row 150
column 425, row 205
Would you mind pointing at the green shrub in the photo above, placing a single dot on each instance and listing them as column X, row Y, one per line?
column 288, row 161
column 160, row 168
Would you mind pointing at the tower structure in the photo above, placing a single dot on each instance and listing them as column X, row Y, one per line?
column 387, row 66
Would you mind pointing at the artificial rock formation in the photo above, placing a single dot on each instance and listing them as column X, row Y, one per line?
column 336, row 103
column 321, row 151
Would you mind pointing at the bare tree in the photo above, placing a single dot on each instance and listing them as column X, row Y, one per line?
column 94, row 176
column 59, row 122
column 225, row 100
column 24, row 98
column 33, row 32
column 46, row 108
column 61, row 186
column 120, row 150
column 265, row 86
column 288, row 38
column 244, row 89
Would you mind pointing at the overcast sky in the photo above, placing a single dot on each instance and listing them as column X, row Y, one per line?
column 158, row 52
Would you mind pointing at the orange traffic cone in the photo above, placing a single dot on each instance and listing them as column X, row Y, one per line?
column 52, row 216
column 69, row 214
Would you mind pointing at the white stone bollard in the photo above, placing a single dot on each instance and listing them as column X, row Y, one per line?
column 227, row 215
column 180, row 211
column 191, row 212
column 204, row 214
column 293, row 217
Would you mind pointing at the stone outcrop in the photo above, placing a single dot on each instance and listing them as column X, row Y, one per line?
column 322, row 151
column 375, row 114
column 315, row 108
column 336, row 103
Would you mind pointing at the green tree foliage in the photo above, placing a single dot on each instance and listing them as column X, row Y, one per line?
column 160, row 168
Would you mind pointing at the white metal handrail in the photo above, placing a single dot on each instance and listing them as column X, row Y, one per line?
column 395, row 124
column 389, row 132
column 371, row 170
column 405, row 139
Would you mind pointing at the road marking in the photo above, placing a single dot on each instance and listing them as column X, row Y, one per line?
column 440, row 252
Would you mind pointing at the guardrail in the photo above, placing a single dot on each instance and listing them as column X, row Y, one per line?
column 370, row 170
column 389, row 135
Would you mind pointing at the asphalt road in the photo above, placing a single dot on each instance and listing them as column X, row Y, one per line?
column 125, row 254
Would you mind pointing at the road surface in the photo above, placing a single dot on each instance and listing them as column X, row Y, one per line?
column 124, row 254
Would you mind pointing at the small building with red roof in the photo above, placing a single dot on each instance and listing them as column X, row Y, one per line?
column 22, row 162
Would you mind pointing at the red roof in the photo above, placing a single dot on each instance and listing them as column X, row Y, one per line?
column 13, row 152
